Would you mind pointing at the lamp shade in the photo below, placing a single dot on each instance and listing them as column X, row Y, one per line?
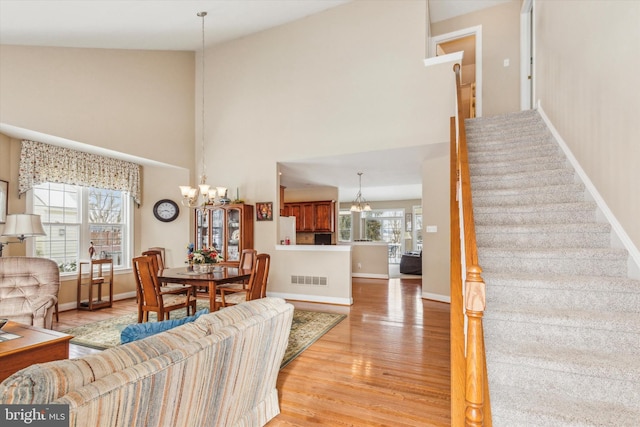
column 23, row 225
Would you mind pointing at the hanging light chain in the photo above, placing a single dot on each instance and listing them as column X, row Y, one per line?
column 203, row 176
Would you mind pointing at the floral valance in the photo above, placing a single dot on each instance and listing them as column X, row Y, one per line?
column 40, row 163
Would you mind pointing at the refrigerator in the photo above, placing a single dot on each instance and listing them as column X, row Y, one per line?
column 287, row 230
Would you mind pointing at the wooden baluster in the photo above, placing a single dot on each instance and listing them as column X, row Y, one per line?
column 475, row 305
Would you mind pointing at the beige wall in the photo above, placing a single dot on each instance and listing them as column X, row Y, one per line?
column 436, row 246
column 347, row 80
column 500, row 41
column 135, row 103
column 586, row 61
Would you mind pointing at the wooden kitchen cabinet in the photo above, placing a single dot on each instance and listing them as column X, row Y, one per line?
column 312, row 216
column 324, row 215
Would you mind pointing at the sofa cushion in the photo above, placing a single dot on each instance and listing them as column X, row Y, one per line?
column 142, row 330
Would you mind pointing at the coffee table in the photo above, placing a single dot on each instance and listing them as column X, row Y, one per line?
column 35, row 345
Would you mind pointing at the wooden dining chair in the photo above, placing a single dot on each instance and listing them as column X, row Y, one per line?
column 247, row 260
column 152, row 298
column 256, row 287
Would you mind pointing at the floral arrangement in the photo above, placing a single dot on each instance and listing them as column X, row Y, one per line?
column 202, row 256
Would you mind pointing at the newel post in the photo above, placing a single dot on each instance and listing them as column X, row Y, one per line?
column 475, row 303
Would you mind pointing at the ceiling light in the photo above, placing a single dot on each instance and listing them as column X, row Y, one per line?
column 360, row 204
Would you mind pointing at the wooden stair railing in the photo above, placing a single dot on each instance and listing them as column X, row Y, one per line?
column 470, row 405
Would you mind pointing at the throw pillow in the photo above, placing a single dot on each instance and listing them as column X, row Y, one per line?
column 142, row 330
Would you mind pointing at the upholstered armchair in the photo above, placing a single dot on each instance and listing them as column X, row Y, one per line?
column 29, row 290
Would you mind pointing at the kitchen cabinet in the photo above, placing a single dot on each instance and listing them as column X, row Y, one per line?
column 324, row 215
column 312, row 217
column 226, row 228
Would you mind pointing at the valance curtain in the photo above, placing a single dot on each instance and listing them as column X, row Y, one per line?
column 40, row 163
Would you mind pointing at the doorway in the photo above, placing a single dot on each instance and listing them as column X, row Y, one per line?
column 527, row 49
column 468, row 41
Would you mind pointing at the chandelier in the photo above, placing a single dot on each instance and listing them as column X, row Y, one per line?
column 203, row 194
column 360, row 204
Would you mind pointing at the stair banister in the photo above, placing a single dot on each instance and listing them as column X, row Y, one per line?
column 469, row 404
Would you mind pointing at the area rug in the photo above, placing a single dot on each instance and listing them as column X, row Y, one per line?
column 307, row 327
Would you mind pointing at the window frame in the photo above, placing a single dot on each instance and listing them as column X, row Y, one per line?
column 128, row 230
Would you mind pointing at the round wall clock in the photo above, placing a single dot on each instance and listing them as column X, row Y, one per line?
column 166, row 210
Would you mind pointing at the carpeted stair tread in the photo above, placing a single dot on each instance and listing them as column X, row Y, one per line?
column 529, row 164
column 513, row 406
column 596, row 261
column 595, row 320
column 580, row 235
column 558, row 213
column 544, row 177
column 568, row 282
column 563, row 193
column 540, row 177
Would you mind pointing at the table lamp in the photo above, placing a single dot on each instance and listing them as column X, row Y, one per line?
column 21, row 226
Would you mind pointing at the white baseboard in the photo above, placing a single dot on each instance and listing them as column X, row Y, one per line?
column 370, row 276
column 73, row 305
column 623, row 239
column 312, row 298
column 436, row 297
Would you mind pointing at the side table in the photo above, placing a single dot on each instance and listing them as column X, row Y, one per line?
column 97, row 273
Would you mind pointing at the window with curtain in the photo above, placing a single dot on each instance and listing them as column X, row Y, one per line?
column 76, row 218
column 83, row 199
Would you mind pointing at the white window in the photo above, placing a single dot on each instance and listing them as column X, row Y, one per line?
column 76, row 217
column 386, row 225
column 345, row 229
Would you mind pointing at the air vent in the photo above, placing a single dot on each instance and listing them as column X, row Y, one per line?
column 309, row 280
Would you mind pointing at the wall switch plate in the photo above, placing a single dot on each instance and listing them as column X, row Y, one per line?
column 506, row 62
column 432, row 229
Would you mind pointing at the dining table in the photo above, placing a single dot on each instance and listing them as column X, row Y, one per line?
column 219, row 276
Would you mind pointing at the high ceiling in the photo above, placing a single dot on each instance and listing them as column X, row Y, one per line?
column 174, row 25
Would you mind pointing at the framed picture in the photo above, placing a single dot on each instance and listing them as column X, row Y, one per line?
column 264, row 211
column 407, row 222
column 4, row 200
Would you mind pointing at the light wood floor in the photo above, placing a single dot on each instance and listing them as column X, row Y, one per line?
column 386, row 364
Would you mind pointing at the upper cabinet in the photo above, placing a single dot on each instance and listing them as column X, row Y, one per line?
column 312, row 217
column 227, row 228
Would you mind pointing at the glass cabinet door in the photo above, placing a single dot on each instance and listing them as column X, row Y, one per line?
column 217, row 230
column 202, row 229
column 233, row 227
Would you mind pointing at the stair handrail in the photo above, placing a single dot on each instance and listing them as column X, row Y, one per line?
column 469, row 383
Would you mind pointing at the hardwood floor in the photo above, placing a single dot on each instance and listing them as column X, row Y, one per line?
column 386, row 364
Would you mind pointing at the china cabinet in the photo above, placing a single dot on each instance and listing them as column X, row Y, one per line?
column 227, row 228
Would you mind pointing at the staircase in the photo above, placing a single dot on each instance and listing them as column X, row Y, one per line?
column 562, row 322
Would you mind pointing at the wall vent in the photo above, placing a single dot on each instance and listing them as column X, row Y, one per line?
column 309, row 280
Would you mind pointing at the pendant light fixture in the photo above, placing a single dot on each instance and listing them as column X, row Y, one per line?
column 360, row 204
column 203, row 194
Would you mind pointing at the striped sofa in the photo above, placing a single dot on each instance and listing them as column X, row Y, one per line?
column 220, row 370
